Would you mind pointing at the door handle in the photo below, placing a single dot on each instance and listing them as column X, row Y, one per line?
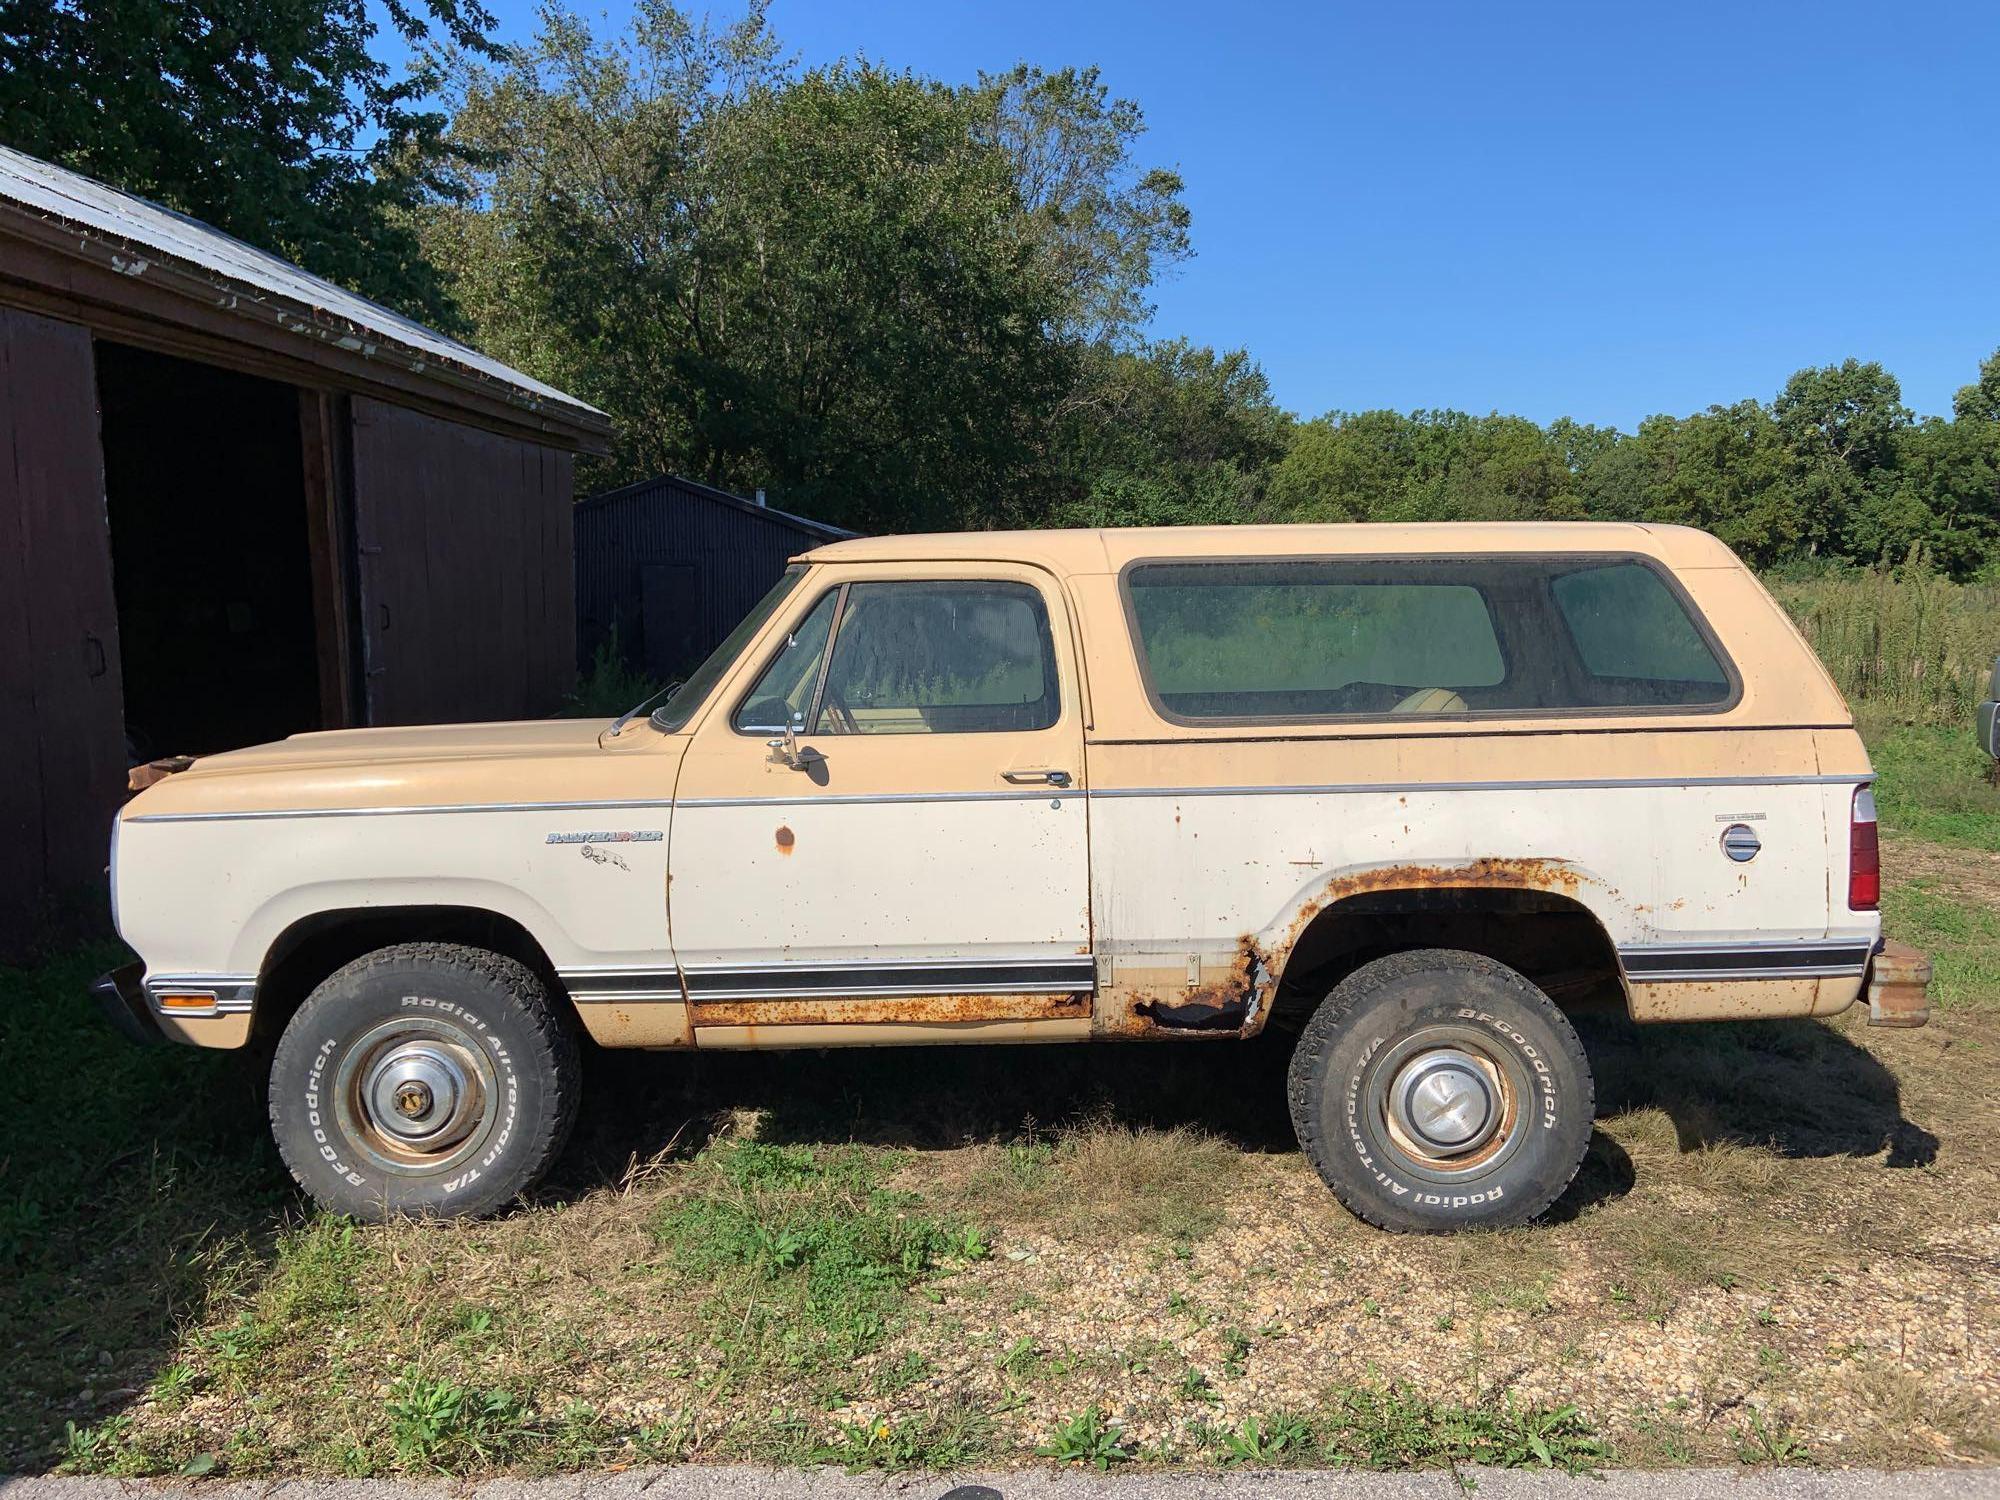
column 1036, row 778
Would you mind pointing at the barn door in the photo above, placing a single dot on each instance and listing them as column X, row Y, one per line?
column 465, row 570
column 61, row 696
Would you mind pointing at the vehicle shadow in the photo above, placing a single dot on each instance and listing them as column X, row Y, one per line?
column 1797, row 1087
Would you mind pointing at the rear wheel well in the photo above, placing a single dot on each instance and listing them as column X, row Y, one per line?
column 1554, row 941
column 314, row 947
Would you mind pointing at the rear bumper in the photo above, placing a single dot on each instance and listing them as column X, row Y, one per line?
column 121, row 995
column 1899, row 979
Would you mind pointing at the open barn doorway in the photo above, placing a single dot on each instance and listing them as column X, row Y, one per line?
column 211, row 554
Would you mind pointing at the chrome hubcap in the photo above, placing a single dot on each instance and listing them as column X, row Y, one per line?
column 1445, row 1100
column 414, row 1096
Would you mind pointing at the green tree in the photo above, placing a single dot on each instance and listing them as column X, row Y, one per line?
column 1725, row 470
column 270, row 119
column 1841, row 424
column 871, row 294
column 1105, row 228
column 1162, row 435
column 1980, row 401
column 1946, row 498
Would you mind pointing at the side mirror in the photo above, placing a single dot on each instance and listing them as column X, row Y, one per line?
column 787, row 751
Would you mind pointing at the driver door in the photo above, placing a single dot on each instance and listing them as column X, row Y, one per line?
column 880, row 823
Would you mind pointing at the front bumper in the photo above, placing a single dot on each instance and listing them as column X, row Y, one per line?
column 1899, row 979
column 121, row 995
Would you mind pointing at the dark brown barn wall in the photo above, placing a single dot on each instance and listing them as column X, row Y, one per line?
column 61, row 699
column 465, row 569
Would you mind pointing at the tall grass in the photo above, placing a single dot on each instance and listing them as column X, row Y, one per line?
column 1911, row 647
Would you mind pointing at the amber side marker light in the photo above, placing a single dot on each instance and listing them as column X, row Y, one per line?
column 187, row 1002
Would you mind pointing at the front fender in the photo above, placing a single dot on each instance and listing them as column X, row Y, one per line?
column 277, row 916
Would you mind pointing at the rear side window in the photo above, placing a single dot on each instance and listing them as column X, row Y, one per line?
column 1628, row 625
column 1309, row 639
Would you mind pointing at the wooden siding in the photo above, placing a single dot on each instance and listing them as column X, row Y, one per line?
column 464, row 540
column 672, row 566
column 60, row 691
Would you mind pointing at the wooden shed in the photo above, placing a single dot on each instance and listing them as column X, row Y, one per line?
column 238, row 502
column 671, row 566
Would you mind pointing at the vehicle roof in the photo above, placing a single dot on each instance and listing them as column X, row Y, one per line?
column 1107, row 549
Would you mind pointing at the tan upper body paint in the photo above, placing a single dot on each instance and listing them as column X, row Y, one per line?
column 1032, row 883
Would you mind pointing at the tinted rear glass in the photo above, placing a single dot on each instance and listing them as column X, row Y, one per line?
column 1286, row 639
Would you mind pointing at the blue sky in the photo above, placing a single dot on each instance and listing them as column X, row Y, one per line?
column 1590, row 210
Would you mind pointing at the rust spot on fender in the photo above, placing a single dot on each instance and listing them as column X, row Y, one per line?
column 1521, row 874
column 1239, row 1003
column 786, row 838
column 883, row 1010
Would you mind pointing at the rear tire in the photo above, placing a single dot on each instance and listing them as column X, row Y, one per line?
column 424, row 1080
column 1438, row 1090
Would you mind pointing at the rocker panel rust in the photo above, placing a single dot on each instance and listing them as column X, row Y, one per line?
column 881, row 1010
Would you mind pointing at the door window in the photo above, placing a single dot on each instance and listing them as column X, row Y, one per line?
column 913, row 657
column 784, row 693
column 940, row 658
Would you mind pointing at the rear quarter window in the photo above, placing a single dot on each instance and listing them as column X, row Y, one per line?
column 1291, row 639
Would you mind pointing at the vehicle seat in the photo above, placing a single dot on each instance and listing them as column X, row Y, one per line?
column 1434, row 700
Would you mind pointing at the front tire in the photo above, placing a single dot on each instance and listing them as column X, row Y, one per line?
column 1437, row 1090
column 424, row 1080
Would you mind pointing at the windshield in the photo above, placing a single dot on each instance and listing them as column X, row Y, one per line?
column 691, row 694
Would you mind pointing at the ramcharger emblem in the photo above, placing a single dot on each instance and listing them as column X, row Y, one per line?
column 615, row 836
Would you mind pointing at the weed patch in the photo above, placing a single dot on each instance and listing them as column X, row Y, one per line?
column 1103, row 1180
column 803, row 1253
column 1390, row 1429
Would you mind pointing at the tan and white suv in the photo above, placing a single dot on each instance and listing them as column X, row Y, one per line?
column 1409, row 791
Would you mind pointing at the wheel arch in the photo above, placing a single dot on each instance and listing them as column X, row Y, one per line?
column 1550, row 920
column 318, row 943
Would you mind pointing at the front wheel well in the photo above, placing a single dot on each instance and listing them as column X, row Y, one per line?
column 316, row 946
column 1554, row 941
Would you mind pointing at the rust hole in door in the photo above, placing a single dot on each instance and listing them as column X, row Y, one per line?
column 786, row 838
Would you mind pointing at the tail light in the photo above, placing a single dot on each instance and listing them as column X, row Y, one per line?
column 1864, row 854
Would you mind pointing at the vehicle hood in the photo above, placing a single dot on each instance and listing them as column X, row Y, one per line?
column 448, row 765
column 330, row 749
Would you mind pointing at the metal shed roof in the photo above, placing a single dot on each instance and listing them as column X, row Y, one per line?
column 141, row 237
column 662, row 486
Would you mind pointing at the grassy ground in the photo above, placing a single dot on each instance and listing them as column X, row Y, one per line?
column 1782, row 1248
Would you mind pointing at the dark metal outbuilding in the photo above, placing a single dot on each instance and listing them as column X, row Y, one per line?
column 670, row 566
column 238, row 502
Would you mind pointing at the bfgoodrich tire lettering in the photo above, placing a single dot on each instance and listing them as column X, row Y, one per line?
column 425, row 1079
column 1437, row 1090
